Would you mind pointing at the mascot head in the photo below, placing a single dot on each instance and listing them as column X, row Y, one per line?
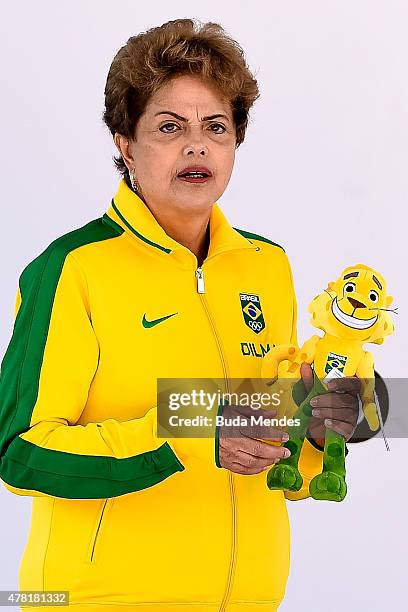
column 354, row 307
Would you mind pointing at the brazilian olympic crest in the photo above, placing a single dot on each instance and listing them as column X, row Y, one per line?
column 335, row 364
column 252, row 311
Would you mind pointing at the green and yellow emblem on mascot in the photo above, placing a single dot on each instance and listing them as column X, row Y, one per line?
column 352, row 310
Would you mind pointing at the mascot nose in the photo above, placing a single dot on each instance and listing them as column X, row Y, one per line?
column 356, row 303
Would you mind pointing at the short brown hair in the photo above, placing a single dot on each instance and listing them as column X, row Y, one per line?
column 150, row 59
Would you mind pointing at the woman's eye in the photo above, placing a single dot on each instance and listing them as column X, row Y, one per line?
column 349, row 287
column 167, row 125
column 167, row 128
column 217, row 125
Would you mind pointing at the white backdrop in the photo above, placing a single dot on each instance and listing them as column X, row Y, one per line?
column 323, row 171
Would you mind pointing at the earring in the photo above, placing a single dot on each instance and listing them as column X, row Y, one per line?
column 133, row 180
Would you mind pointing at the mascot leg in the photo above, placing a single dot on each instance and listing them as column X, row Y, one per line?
column 331, row 483
column 285, row 474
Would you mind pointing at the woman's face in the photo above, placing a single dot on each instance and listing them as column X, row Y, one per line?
column 186, row 123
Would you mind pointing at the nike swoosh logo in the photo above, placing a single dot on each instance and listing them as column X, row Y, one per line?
column 148, row 324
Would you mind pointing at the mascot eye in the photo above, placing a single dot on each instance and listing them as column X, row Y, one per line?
column 373, row 295
column 349, row 287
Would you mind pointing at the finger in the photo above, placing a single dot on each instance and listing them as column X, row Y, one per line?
column 347, row 384
column 250, row 411
column 334, row 400
column 307, row 376
column 265, row 435
column 246, row 425
column 261, row 449
column 236, row 418
column 345, row 429
column 262, row 429
column 251, row 461
column 242, row 469
column 346, row 415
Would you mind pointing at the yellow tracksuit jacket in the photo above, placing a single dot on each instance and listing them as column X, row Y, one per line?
column 121, row 517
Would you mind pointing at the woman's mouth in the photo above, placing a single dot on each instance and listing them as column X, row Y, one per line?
column 195, row 175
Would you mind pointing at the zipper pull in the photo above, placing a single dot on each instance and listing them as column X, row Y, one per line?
column 200, row 280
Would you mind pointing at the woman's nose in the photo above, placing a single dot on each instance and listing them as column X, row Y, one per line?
column 195, row 143
column 191, row 150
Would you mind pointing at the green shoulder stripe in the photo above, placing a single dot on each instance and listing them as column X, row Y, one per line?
column 250, row 235
column 23, row 464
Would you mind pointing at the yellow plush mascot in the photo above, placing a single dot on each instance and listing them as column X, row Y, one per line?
column 350, row 312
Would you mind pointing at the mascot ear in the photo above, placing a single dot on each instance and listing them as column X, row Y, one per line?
column 389, row 300
column 330, row 285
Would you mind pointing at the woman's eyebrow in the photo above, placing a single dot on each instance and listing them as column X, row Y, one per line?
column 184, row 119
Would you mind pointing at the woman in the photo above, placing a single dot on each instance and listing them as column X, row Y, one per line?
column 160, row 286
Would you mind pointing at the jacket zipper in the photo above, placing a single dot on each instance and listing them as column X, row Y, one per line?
column 97, row 530
column 200, row 280
column 201, row 290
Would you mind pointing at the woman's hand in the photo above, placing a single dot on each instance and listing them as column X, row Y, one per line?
column 240, row 450
column 337, row 410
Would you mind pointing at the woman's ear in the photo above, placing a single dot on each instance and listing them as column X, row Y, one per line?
column 122, row 144
column 117, row 140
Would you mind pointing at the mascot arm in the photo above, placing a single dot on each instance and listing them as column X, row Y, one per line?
column 365, row 371
column 290, row 353
column 306, row 354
